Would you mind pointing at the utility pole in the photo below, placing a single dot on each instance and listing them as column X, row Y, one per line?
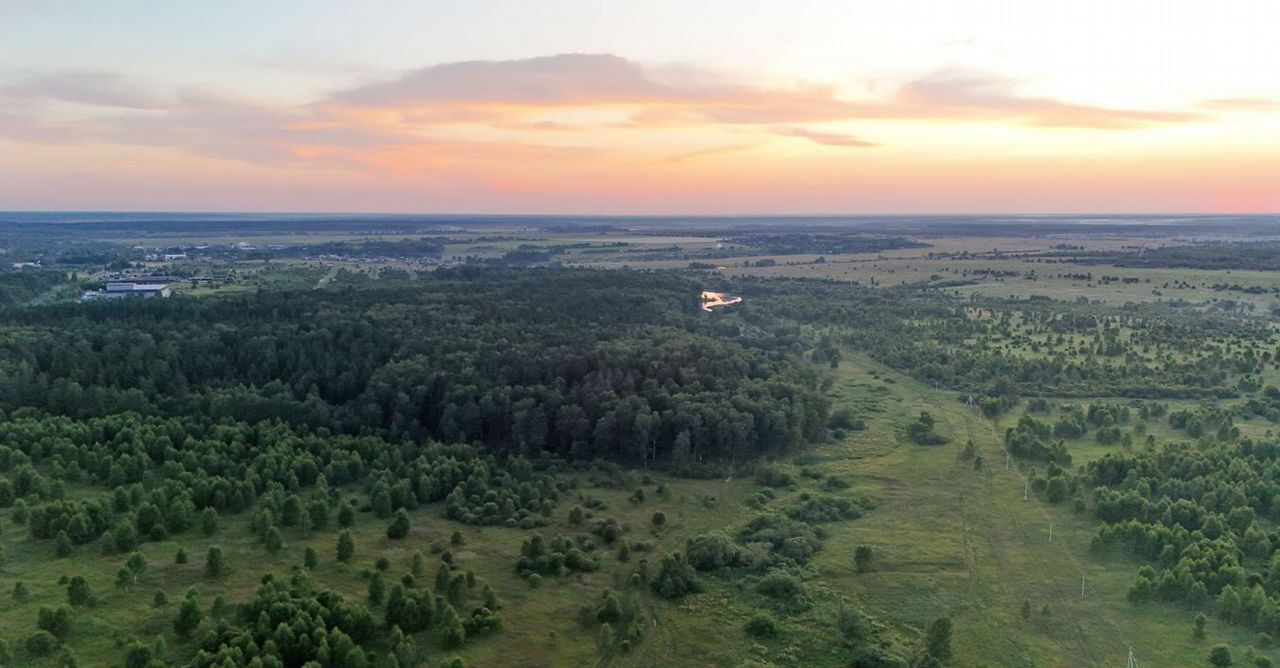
column 1051, row 532
column 1026, row 485
column 1082, row 585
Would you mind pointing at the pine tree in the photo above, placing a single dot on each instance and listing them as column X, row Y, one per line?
column 62, row 545
column 452, row 633
column 380, row 500
column 209, row 521
column 291, row 513
column 610, row 609
column 457, row 589
column 938, row 639
column 137, row 655
column 220, row 608
column 376, row 589
column 399, row 527
column 78, row 593
column 442, row 578
column 188, row 619
column 346, row 546
column 214, row 563
column 274, row 540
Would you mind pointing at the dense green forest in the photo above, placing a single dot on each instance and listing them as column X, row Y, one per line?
column 20, row 287
column 578, row 364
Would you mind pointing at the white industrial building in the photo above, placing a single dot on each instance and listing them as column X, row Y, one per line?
column 126, row 290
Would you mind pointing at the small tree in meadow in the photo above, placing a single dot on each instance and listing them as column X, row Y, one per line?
column 346, row 546
column 862, row 556
column 274, row 540
column 188, row 619
column 937, row 639
column 377, row 589
column 62, row 545
column 215, row 564
column 399, row 527
column 135, row 565
column 78, row 593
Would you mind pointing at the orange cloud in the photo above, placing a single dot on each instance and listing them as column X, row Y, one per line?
column 1242, row 104
column 575, row 80
column 499, row 101
column 960, row 93
column 824, row 138
column 584, row 122
column 711, row 151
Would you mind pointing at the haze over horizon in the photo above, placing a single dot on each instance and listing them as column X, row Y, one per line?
column 988, row 107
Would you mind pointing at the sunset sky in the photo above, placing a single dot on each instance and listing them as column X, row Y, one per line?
column 610, row 107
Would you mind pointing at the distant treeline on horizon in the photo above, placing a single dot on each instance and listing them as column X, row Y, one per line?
column 942, row 225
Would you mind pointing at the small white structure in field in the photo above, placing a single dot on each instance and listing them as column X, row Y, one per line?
column 711, row 300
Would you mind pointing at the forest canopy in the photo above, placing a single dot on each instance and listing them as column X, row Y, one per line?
column 578, row 363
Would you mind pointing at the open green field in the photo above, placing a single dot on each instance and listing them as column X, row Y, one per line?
column 995, row 267
column 951, row 539
column 1152, row 285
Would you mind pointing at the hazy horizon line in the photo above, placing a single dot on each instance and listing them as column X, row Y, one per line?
column 532, row 214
